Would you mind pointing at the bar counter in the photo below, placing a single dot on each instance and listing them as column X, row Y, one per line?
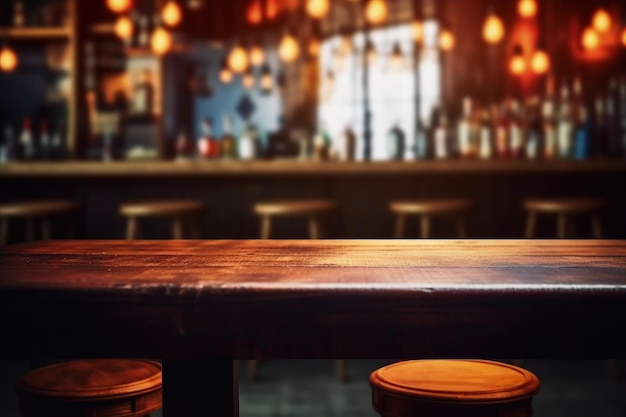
column 200, row 304
column 361, row 190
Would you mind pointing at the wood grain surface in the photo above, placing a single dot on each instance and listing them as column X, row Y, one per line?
column 315, row 299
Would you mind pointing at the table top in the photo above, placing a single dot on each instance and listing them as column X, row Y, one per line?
column 287, row 299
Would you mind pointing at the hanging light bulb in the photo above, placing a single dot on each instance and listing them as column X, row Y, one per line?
column 257, row 56
column 226, row 75
column 254, row 14
column 624, row 37
column 601, row 21
column 238, row 59
column 119, row 6
column 396, row 60
column 195, row 4
column 314, row 47
column 317, row 9
column 417, row 30
column 267, row 81
column 288, row 49
column 590, row 39
column 446, row 40
column 161, row 41
column 540, row 62
column 376, row 11
column 271, row 9
column 517, row 66
column 371, row 55
column 8, row 59
column 248, row 79
column 493, row 29
column 171, row 14
column 527, row 8
column 124, row 28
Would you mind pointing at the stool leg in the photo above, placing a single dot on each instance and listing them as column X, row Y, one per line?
column 30, row 230
column 46, row 233
column 253, row 369
column 531, row 220
column 425, row 226
column 561, row 226
column 266, row 227
column 4, row 231
column 400, row 224
column 342, row 369
column 461, row 230
column 177, row 228
column 597, row 226
column 314, row 228
column 132, row 228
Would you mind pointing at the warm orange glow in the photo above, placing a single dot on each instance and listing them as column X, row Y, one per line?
column 8, row 59
column 254, row 14
column 257, row 56
column 601, row 21
column 171, row 14
column 624, row 37
column 540, row 62
column 396, row 61
column 267, row 81
column 271, row 9
column 371, row 55
column 226, row 75
column 317, row 8
column 238, row 59
column 288, row 50
column 161, row 41
column 590, row 40
column 119, row 6
column 417, row 29
column 314, row 47
column 248, row 80
column 493, row 29
column 446, row 40
column 527, row 8
column 345, row 45
column 124, row 27
column 517, row 65
column 376, row 11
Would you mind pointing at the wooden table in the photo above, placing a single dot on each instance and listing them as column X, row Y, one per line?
column 200, row 304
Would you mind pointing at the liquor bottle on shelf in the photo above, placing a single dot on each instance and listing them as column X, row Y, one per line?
column 533, row 131
column 582, row 134
column 485, row 146
column 465, row 130
column 208, row 145
column 143, row 94
column 348, row 148
column 548, row 109
column 516, row 130
column 57, row 144
column 565, row 127
column 501, row 130
column 578, row 100
column 228, row 143
column 396, row 140
column 321, row 144
column 441, row 137
column 184, row 148
column 45, row 145
column 248, row 142
column 7, row 145
column 27, row 142
column 612, row 118
column 421, row 140
column 599, row 146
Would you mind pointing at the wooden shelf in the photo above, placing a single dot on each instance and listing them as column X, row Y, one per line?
column 36, row 33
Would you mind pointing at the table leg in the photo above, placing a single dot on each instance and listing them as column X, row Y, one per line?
column 194, row 388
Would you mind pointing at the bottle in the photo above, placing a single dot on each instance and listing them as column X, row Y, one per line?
column 7, row 149
column 565, row 128
column 184, row 148
column 395, row 143
column 421, row 140
column 321, row 144
column 441, row 137
column 27, row 142
column 247, row 143
column 208, row 145
column 45, row 142
column 582, row 135
column 464, row 130
column 501, row 131
column 516, row 130
column 578, row 100
column 57, row 145
column 485, row 146
column 548, row 122
column 533, row 131
column 228, row 143
column 143, row 94
column 349, row 144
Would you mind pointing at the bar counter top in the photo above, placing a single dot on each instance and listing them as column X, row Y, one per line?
column 297, row 167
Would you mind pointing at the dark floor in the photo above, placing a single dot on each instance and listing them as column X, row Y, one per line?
column 312, row 389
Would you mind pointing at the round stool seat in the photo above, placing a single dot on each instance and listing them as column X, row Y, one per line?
column 159, row 208
column 453, row 388
column 563, row 205
column 36, row 208
column 292, row 207
column 428, row 206
column 92, row 387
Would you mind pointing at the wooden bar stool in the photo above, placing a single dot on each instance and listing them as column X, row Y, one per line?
column 426, row 209
column 92, row 388
column 32, row 212
column 179, row 212
column 453, row 388
column 311, row 209
column 564, row 209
